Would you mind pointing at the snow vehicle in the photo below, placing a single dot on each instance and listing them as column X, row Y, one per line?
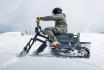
column 70, row 44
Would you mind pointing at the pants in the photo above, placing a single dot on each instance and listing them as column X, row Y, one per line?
column 50, row 31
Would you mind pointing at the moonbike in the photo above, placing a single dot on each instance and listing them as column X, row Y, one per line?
column 70, row 45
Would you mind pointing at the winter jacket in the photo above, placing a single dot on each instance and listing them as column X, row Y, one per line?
column 60, row 20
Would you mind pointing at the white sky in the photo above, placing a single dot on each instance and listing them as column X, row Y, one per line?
column 82, row 15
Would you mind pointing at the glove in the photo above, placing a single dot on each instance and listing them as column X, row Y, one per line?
column 38, row 19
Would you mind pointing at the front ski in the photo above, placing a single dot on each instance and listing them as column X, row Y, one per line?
column 23, row 53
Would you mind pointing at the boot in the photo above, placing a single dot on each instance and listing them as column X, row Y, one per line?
column 54, row 44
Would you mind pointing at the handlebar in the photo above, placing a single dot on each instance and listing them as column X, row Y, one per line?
column 38, row 28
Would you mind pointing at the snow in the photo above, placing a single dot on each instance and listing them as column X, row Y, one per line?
column 11, row 43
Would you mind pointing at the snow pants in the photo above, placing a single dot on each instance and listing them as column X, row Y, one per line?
column 50, row 31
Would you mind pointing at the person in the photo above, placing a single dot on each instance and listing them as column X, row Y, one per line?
column 60, row 26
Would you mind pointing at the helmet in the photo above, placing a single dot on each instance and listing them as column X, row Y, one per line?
column 57, row 10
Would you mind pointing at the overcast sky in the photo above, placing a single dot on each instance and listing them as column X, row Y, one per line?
column 82, row 15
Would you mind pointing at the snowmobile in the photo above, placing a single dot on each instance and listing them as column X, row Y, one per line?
column 70, row 45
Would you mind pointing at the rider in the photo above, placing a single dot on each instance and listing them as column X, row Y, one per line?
column 60, row 26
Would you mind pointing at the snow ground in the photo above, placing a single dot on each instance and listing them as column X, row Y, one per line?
column 11, row 43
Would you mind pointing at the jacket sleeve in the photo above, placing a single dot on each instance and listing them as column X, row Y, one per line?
column 52, row 17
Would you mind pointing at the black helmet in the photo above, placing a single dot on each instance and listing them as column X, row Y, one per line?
column 57, row 10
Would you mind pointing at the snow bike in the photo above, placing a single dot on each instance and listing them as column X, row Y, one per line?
column 70, row 45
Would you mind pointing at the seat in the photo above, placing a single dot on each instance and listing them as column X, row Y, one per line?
column 64, row 37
